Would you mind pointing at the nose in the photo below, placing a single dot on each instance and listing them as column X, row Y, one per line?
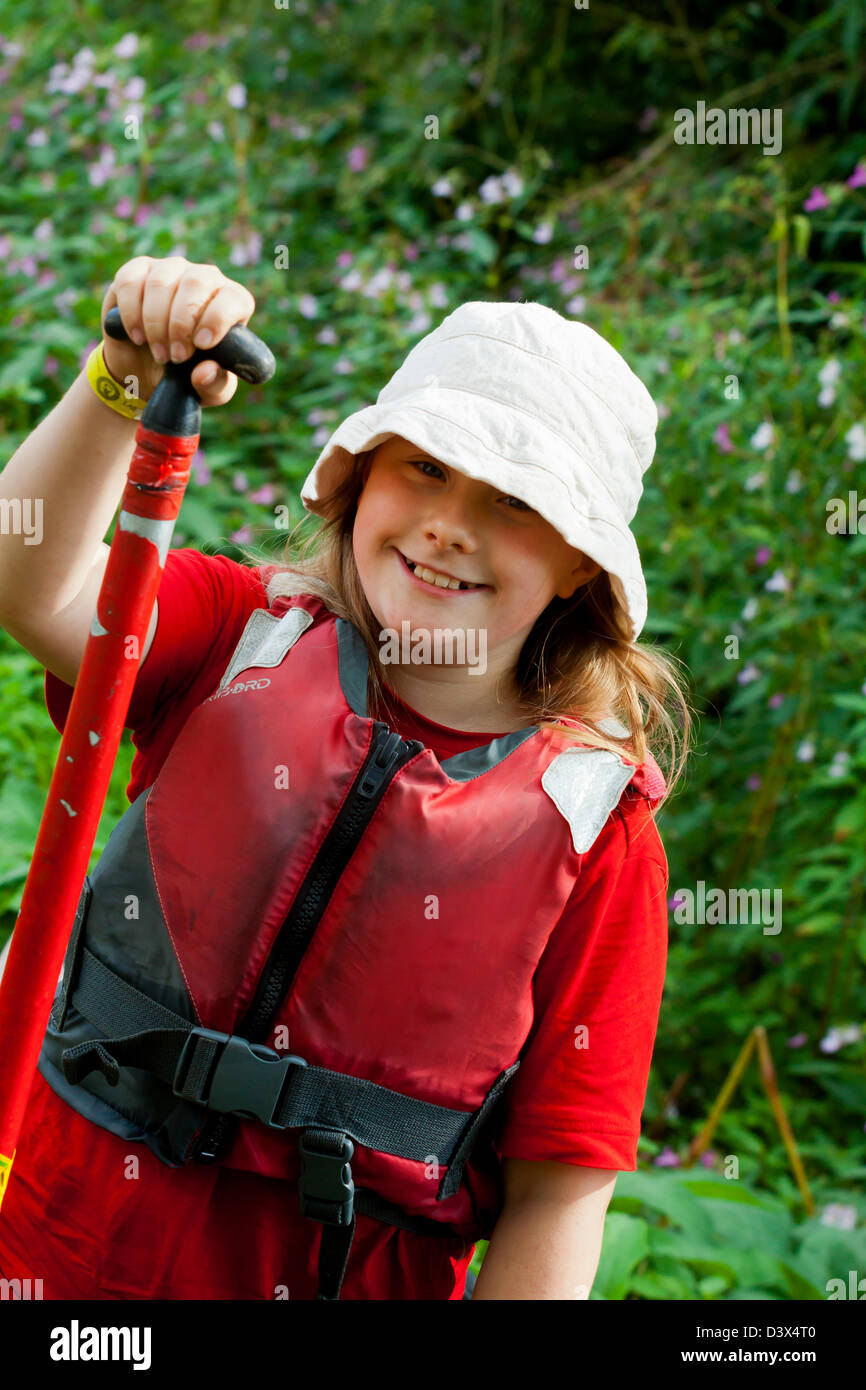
column 450, row 525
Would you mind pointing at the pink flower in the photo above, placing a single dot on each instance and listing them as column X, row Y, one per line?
column 200, row 468
column 833, row 297
column 344, row 259
column 858, row 178
column 242, row 536
column 798, row 1040
column 16, row 120
column 762, row 554
column 411, row 252
column 753, row 782
column 240, row 483
column 816, row 199
column 123, row 206
column 357, row 158
column 666, row 1159
column 776, row 700
column 142, row 214
column 708, row 1158
column 50, row 366
column 264, row 494
column 722, row 440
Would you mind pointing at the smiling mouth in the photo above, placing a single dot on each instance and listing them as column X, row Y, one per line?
column 448, row 585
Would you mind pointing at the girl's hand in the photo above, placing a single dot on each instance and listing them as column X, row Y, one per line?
column 166, row 303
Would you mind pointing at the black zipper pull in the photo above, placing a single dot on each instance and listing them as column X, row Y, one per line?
column 387, row 753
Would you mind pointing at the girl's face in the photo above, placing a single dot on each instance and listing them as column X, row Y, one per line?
column 413, row 506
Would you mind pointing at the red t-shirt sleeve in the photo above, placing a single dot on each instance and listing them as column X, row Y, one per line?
column 204, row 602
column 579, row 1092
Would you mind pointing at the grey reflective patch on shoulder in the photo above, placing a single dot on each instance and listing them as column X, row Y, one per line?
column 265, row 640
column 585, row 787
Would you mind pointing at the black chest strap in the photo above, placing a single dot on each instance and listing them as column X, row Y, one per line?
column 228, row 1074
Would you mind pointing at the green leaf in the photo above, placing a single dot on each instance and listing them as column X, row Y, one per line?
column 624, row 1245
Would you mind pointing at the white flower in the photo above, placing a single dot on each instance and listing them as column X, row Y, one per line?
column 343, row 366
column 216, row 130
column 419, row 323
column 37, row 137
column 735, row 337
column 442, row 188
column 777, row 583
column 328, row 335
column 830, row 372
column 492, row 190
column 748, row 673
column 438, row 295
column 308, row 306
column 44, row 230
column 838, row 1037
column 805, row 752
column 839, row 320
column 750, row 609
column 352, row 281
column 134, row 89
column 127, row 47
column 856, row 441
column 794, row 481
column 826, row 396
column 843, row 1217
column 513, row 183
column 463, row 212
column 236, row 96
column 763, row 436
column 543, row 233
column 755, row 480
column 576, row 305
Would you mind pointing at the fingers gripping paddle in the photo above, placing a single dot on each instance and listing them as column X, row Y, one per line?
column 166, row 440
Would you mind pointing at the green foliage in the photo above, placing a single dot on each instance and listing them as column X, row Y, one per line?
column 737, row 295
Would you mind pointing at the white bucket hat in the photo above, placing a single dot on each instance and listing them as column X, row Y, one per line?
column 538, row 405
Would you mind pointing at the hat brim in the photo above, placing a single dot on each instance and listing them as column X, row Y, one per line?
column 588, row 521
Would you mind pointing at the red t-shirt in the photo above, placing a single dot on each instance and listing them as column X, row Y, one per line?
column 95, row 1216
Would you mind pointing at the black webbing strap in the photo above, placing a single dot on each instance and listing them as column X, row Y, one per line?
column 57, row 1016
column 229, row 1074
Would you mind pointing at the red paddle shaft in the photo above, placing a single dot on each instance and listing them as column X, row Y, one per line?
column 155, row 487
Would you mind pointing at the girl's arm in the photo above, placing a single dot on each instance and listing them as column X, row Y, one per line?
column 547, row 1241
column 69, row 473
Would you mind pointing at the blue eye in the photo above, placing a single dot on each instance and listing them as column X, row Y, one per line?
column 426, row 463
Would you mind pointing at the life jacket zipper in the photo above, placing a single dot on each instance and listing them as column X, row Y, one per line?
column 387, row 754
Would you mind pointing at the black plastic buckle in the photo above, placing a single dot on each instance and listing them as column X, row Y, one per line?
column 248, row 1079
column 326, row 1188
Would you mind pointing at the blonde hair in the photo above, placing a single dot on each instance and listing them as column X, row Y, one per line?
column 578, row 661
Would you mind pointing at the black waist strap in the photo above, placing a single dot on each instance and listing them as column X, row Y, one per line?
column 229, row 1074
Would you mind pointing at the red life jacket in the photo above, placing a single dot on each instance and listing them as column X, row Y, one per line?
column 307, row 949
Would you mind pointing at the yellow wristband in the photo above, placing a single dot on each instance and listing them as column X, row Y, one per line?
column 109, row 391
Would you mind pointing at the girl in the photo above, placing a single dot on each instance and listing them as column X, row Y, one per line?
column 394, row 918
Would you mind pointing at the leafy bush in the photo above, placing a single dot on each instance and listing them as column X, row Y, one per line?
column 282, row 147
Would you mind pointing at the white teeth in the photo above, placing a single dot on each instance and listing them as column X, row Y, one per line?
column 439, row 580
